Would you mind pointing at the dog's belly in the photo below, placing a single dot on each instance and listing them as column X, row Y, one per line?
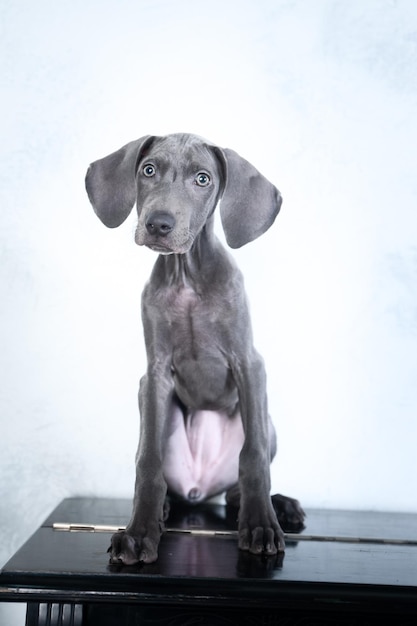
column 201, row 457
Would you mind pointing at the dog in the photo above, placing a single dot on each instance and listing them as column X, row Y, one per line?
column 204, row 422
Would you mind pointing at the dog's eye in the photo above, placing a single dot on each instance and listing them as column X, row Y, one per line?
column 202, row 179
column 148, row 170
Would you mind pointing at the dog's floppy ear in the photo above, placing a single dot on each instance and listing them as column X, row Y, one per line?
column 250, row 203
column 110, row 182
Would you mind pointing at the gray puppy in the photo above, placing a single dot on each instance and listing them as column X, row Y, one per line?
column 205, row 427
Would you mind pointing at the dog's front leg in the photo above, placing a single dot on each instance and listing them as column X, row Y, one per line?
column 259, row 529
column 141, row 539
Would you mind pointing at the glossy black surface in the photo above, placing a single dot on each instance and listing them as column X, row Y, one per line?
column 74, row 566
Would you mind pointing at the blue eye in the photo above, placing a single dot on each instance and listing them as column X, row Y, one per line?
column 202, row 179
column 148, row 170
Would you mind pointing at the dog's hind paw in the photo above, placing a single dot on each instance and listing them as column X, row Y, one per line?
column 289, row 512
column 130, row 549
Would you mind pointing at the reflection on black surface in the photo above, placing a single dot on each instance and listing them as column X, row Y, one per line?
column 252, row 566
column 198, row 555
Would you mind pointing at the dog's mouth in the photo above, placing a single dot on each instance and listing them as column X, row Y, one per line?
column 175, row 243
column 164, row 248
column 160, row 249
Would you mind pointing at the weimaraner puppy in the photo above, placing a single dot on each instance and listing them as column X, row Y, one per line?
column 205, row 427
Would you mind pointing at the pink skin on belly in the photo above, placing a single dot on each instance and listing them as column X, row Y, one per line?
column 201, row 458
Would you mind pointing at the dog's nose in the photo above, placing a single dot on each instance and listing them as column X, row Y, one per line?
column 160, row 223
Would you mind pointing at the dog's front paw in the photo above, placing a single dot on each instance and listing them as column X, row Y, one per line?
column 259, row 530
column 130, row 548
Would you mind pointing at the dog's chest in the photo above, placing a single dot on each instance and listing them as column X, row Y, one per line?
column 182, row 300
column 186, row 310
column 193, row 324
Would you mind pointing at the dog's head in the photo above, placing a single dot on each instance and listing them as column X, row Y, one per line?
column 177, row 181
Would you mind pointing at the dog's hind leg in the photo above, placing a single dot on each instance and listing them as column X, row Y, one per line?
column 288, row 510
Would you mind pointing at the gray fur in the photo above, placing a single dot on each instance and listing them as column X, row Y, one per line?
column 196, row 324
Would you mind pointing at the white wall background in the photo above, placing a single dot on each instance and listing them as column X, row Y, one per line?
column 321, row 96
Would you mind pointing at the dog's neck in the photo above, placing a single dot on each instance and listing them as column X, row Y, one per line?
column 197, row 265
